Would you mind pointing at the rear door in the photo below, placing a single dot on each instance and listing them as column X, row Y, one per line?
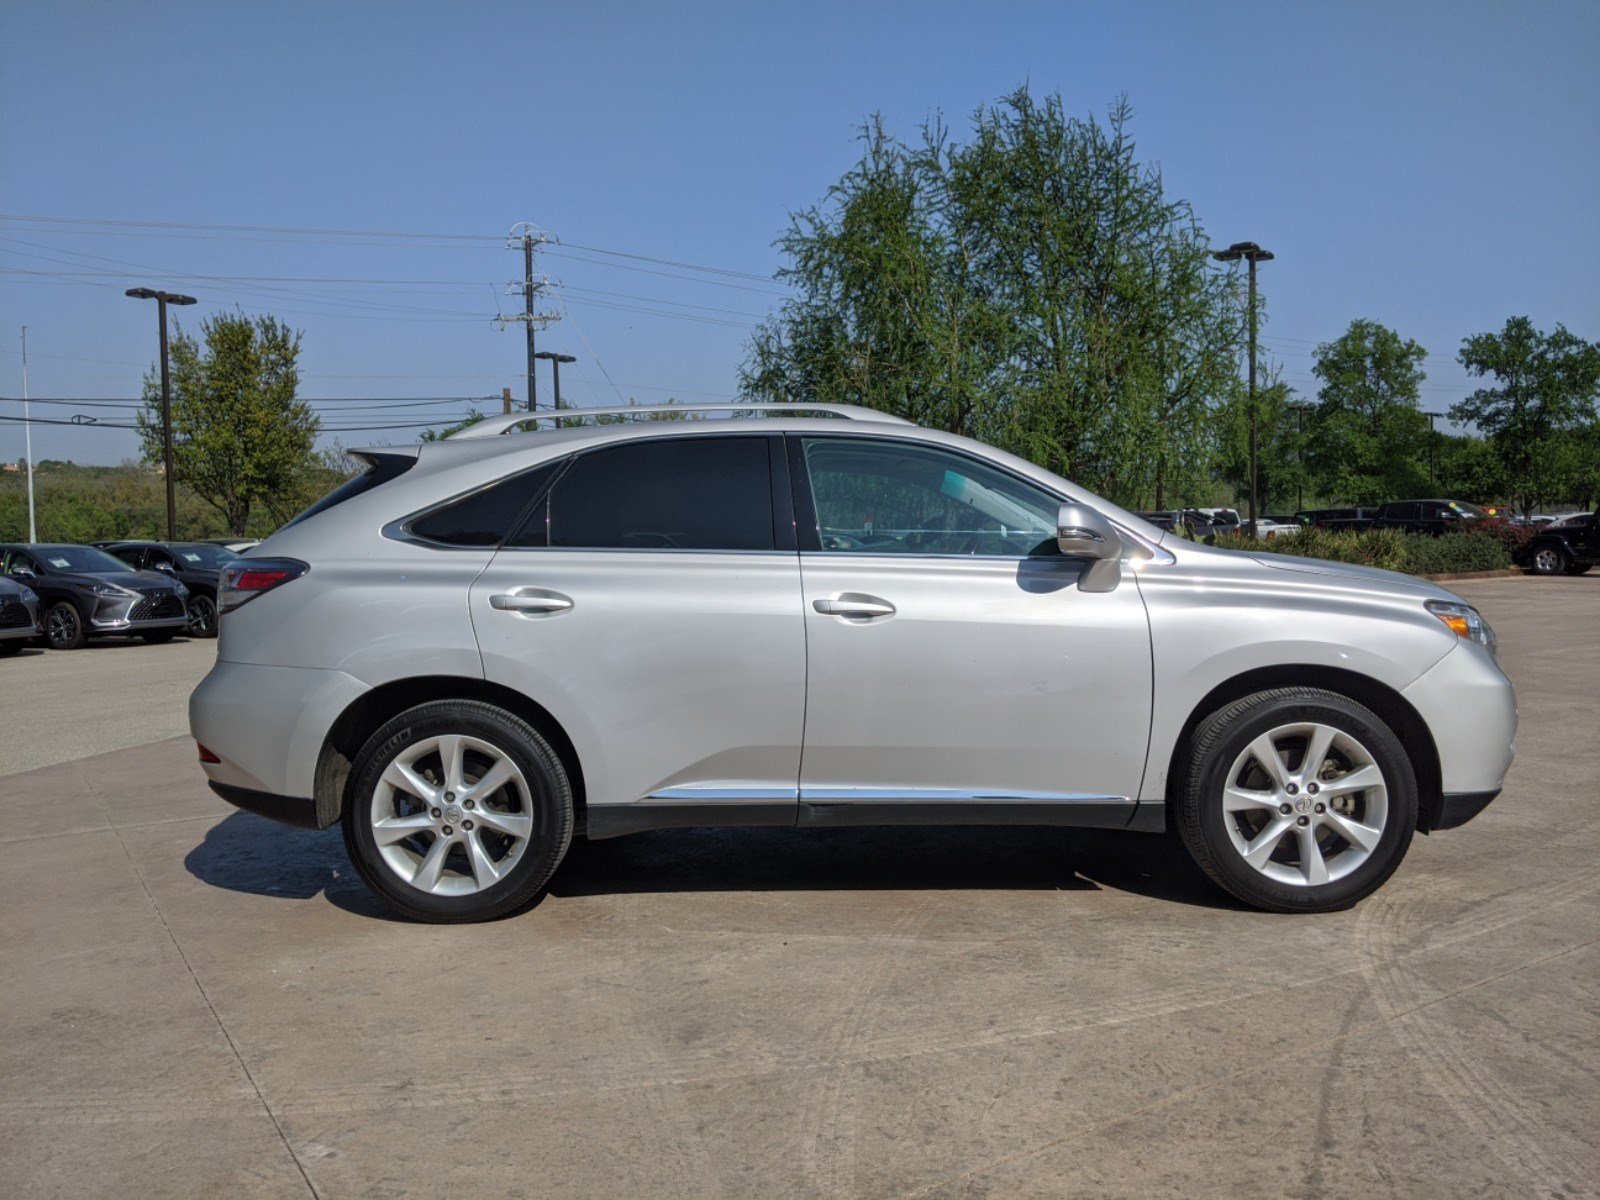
column 651, row 602
column 953, row 660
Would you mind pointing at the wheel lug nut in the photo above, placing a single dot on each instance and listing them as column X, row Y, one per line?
column 466, row 824
column 1291, row 789
column 471, row 804
column 447, row 828
column 1322, row 808
column 1285, row 809
column 449, row 797
column 436, row 814
column 1301, row 821
column 1312, row 788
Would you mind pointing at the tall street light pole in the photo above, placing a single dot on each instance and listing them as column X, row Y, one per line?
column 1299, row 456
column 163, row 299
column 555, row 365
column 1433, row 441
column 1252, row 254
column 27, row 437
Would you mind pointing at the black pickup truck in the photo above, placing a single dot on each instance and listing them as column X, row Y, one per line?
column 1570, row 548
column 1427, row 516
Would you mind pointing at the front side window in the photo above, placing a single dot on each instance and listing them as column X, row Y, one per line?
column 705, row 493
column 873, row 496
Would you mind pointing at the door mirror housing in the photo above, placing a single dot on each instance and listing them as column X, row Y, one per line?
column 1082, row 533
column 165, row 566
column 25, row 572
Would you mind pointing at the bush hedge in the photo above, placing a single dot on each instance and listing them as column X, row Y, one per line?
column 1484, row 547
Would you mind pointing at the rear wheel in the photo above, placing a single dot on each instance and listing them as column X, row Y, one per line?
column 1297, row 800
column 1548, row 560
column 63, row 626
column 460, row 811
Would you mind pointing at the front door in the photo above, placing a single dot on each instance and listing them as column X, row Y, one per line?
column 651, row 601
column 955, row 670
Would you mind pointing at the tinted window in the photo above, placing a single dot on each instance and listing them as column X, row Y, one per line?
column 708, row 493
column 82, row 559
column 487, row 516
column 885, row 497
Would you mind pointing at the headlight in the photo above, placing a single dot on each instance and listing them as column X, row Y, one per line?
column 1465, row 621
column 29, row 596
column 108, row 589
column 179, row 588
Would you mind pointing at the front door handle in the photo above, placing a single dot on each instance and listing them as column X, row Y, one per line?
column 854, row 604
column 531, row 602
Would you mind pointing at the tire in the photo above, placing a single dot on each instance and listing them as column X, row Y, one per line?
column 1282, row 873
column 159, row 637
column 461, row 855
column 1547, row 560
column 63, row 626
column 1578, row 568
column 10, row 647
column 202, row 616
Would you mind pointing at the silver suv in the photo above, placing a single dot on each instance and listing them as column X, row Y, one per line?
column 820, row 615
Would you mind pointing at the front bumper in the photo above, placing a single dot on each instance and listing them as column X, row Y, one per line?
column 1471, row 710
column 19, row 619
column 139, row 612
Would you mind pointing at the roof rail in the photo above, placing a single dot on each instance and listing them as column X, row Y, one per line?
column 490, row 426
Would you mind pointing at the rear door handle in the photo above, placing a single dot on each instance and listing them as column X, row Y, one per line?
column 854, row 604
column 531, row 602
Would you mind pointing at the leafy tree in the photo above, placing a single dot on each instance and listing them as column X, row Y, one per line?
column 1281, row 477
column 1368, row 439
column 1547, row 385
column 240, row 437
column 1468, row 468
column 437, row 435
column 1034, row 286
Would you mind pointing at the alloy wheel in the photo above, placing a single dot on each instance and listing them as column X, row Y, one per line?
column 1548, row 560
column 452, row 815
column 202, row 617
column 62, row 626
column 1305, row 804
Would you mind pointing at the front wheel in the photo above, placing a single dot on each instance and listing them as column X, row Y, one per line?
column 202, row 617
column 1548, row 560
column 1297, row 800
column 63, row 627
column 460, row 811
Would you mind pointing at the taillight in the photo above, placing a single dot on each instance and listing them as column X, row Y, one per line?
column 207, row 756
column 247, row 578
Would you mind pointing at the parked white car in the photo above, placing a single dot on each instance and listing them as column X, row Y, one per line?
column 820, row 615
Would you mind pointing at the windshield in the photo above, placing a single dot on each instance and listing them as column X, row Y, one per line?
column 85, row 559
column 1468, row 510
column 201, row 555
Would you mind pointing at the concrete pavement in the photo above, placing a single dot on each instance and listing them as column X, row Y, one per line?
column 199, row 1002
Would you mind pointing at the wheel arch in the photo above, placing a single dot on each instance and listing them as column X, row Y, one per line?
column 1390, row 705
column 363, row 716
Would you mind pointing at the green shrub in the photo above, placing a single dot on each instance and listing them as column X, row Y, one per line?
column 1480, row 549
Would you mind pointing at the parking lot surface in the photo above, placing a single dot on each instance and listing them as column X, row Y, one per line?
column 198, row 1002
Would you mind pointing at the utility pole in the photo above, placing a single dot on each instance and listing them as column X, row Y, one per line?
column 163, row 299
column 1300, row 456
column 1252, row 254
column 505, row 400
column 527, row 237
column 1433, row 441
column 27, row 437
column 555, row 365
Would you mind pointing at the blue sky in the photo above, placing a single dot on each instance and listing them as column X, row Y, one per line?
column 1433, row 166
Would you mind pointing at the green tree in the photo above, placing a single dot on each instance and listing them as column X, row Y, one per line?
column 1033, row 285
column 1368, row 439
column 1547, row 385
column 1468, row 468
column 438, row 435
column 1280, row 447
column 240, row 437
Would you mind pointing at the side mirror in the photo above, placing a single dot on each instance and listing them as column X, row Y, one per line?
column 167, row 567
column 1083, row 533
column 27, row 572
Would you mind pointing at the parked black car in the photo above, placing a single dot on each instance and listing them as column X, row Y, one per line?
column 1428, row 516
column 1349, row 520
column 87, row 593
column 19, row 615
column 195, row 564
column 1570, row 548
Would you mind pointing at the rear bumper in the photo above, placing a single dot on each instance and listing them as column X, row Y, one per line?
column 1457, row 808
column 291, row 810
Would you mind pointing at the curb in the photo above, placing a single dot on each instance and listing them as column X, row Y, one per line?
column 1502, row 573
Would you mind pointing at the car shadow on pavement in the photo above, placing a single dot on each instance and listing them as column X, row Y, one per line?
column 250, row 854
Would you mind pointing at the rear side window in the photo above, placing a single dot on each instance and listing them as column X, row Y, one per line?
column 487, row 516
column 709, row 493
column 384, row 468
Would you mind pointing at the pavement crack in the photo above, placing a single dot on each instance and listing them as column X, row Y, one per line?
column 200, row 987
